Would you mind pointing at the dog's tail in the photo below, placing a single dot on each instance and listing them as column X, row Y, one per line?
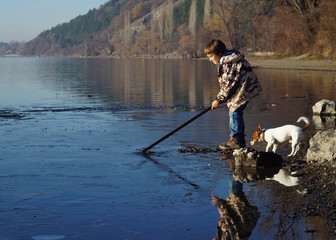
column 306, row 120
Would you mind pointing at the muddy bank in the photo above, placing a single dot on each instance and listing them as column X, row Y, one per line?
column 293, row 64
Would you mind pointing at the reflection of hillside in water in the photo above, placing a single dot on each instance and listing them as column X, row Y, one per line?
column 172, row 82
column 188, row 82
column 155, row 81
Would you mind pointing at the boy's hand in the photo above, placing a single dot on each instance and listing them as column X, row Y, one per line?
column 214, row 104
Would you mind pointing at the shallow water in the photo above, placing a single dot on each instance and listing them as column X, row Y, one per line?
column 71, row 130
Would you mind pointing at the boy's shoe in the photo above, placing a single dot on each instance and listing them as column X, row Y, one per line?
column 229, row 145
column 235, row 142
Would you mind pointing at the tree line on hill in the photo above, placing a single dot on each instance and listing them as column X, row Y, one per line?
column 183, row 27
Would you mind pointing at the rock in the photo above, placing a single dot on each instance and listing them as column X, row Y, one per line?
column 322, row 147
column 325, row 107
column 249, row 157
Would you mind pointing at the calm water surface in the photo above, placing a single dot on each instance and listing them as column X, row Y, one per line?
column 71, row 129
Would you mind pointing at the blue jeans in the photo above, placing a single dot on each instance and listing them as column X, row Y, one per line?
column 236, row 121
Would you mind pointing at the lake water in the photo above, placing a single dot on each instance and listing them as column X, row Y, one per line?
column 71, row 130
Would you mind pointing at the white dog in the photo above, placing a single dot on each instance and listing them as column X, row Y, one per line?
column 275, row 136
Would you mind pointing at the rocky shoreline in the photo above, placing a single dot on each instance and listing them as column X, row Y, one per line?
column 314, row 164
column 318, row 180
column 290, row 63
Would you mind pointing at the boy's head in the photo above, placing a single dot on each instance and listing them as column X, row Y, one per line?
column 214, row 50
column 215, row 46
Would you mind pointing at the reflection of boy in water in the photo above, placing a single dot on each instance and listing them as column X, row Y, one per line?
column 238, row 84
column 237, row 217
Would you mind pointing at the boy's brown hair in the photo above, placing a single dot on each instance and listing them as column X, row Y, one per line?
column 215, row 46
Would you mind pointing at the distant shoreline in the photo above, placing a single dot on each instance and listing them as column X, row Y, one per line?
column 291, row 63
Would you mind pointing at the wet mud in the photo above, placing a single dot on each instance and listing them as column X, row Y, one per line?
column 320, row 183
column 193, row 149
column 11, row 114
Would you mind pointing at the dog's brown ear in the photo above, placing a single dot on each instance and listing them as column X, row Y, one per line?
column 259, row 128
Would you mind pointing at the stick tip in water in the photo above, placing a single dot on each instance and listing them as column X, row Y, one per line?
column 143, row 151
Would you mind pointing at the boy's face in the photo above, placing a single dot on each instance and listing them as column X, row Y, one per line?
column 213, row 58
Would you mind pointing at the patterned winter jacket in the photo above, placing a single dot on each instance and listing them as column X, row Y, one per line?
column 237, row 81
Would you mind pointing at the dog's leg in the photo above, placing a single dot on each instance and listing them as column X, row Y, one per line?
column 268, row 147
column 275, row 147
column 269, row 144
column 296, row 142
column 292, row 152
column 295, row 147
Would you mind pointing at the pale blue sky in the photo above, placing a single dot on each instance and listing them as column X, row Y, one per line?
column 23, row 20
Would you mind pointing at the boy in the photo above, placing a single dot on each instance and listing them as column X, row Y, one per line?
column 238, row 84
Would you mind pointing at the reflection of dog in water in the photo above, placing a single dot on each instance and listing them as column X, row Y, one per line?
column 275, row 136
column 284, row 177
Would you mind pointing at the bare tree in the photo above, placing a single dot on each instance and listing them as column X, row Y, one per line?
column 230, row 14
column 257, row 14
column 303, row 6
column 308, row 10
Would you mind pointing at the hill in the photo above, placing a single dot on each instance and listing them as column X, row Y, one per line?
column 183, row 27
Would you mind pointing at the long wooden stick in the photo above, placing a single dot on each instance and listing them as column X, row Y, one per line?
column 174, row 131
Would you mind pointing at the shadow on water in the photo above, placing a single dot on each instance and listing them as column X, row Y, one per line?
column 165, row 167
